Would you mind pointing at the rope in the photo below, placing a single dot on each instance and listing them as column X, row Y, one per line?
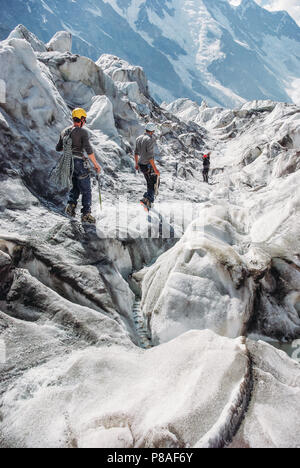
column 62, row 174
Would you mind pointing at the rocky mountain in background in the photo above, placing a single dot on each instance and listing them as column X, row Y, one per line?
column 157, row 330
column 205, row 49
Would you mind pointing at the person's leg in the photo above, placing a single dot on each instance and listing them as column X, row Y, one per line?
column 84, row 185
column 75, row 191
column 206, row 176
column 145, row 169
column 86, row 191
column 73, row 195
column 152, row 179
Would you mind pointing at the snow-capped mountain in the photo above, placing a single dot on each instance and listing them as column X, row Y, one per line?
column 199, row 49
column 148, row 329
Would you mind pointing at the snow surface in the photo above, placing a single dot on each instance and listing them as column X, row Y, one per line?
column 210, row 265
column 140, row 399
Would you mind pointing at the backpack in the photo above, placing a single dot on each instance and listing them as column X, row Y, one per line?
column 206, row 161
column 63, row 173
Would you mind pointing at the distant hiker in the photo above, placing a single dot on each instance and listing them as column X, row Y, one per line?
column 206, row 166
column 144, row 161
column 73, row 141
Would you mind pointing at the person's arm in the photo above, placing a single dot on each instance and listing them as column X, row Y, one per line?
column 96, row 165
column 154, row 167
column 86, row 145
column 150, row 151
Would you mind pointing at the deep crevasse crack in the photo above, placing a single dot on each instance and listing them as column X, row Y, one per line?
column 141, row 329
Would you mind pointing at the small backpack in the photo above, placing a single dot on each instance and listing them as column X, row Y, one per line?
column 206, row 161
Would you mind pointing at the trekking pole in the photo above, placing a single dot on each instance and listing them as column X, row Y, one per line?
column 98, row 178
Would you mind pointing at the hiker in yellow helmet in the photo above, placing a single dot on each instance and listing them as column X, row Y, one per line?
column 81, row 176
column 79, row 114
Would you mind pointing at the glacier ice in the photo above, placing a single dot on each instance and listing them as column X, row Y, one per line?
column 211, row 267
column 20, row 32
column 60, row 42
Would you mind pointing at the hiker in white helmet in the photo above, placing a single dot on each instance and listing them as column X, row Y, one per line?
column 144, row 161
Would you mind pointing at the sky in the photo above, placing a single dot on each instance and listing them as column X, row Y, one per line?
column 291, row 6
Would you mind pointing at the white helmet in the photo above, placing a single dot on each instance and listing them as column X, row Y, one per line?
column 150, row 127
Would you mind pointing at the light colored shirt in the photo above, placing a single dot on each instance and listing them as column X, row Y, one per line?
column 145, row 148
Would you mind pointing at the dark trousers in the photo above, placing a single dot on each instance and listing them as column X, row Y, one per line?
column 205, row 174
column 151, row 179
column 81, row 186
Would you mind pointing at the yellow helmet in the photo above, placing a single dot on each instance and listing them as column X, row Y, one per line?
column 79, row 113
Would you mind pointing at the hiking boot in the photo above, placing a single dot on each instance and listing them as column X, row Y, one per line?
column 71, row 210
column 146, row 203
column 88, row 218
